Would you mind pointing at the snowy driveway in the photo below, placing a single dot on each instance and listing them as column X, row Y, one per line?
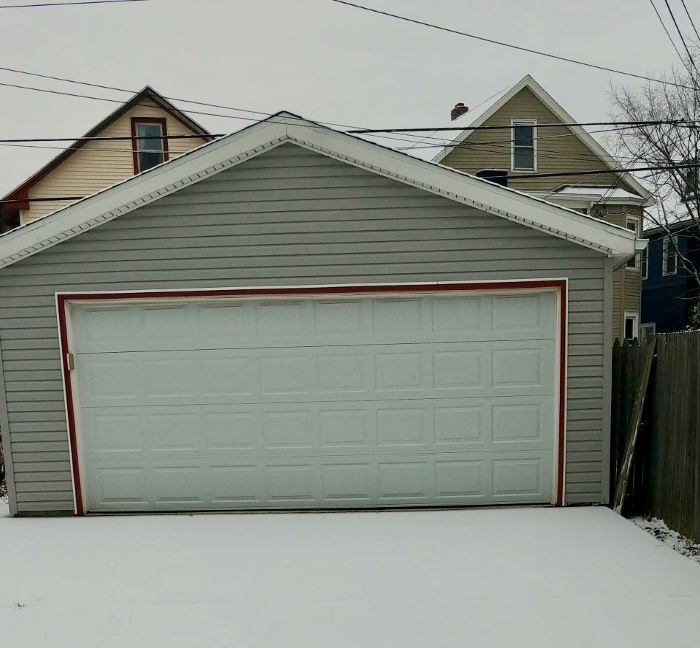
column 565, row 578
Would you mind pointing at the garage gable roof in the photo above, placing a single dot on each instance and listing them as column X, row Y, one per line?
column 224, row 153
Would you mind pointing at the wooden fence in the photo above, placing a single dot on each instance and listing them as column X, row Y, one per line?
column 665, row 477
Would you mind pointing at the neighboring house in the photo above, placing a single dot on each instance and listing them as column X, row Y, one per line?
column 291, row 317
column 668, row 290
column 88, row 166
column 526, row 151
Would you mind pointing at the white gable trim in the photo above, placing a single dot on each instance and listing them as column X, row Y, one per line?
column 214, row 157
column 586, row 138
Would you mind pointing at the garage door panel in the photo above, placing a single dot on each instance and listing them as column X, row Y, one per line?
column 377, row 372
column 304, row 403
column 351, row 481
column 324, row 428
column 306, row 322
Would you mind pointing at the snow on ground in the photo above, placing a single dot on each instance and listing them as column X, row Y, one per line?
column 670, row 538
column 515, row 578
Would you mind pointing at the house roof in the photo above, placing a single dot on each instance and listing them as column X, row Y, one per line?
column 590, row 194
column 684, row 224
column 214, row 157
column 146, row 93
column 478, row 117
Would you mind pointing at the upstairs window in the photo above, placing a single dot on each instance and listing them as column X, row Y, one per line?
column 670, row 257
column 644, row 263
column 524, row 145
column 150, row 145
column 632, row 223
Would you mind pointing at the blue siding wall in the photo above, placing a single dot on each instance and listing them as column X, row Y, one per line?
column 665, row 299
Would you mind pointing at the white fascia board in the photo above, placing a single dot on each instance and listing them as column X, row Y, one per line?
column 510, row 204
column 214, row 157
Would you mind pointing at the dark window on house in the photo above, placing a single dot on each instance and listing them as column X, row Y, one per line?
column 524, row 153
column 631, row 325
column 670, row 257
column 644, row 263
column 150, row 143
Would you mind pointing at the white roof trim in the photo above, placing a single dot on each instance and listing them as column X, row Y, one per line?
column 586, row 138
column 214, row 157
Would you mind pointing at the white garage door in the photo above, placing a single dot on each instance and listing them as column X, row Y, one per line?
column 332, row 402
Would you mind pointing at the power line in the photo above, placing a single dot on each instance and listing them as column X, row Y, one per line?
column 509, row 177
column 520, row 48
column 690, row 18
column 127, row 90
column 668, row 33
column 109, row 138
column 680, row 35
column 622, row 124
column 37, row 5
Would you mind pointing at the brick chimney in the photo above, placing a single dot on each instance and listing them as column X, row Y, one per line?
column 458, row 111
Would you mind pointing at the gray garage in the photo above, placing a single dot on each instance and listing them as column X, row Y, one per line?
column 290, row 317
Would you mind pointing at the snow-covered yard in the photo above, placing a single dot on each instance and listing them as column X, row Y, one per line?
column 579, row 577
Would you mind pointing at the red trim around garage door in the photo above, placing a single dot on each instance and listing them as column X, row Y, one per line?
column 62, row 300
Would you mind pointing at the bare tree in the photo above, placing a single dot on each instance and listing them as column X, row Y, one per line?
column 673, row 144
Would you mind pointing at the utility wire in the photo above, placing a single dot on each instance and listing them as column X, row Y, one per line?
column 690, row 18
column 630, row 124
column 668, row 33
column 36, row 5
column 680, row 35
column 112, row 138
column 594, row 172
column 520, row 48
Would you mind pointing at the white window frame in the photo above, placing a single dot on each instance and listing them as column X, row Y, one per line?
column 635, row 263
column 666, row 249
column 634, row 316
column 523, row 122
column 650, row 329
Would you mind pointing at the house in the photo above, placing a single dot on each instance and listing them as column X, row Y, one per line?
column 150, row 129
column 531, row 149
column 668, row 289
column 291, row 317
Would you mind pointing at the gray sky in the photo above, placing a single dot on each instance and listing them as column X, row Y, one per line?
column 313, row 57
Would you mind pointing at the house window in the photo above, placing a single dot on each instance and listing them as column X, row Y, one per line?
column 644, row 262
column 631, row 325
column 149, row 142
column 632, row 223
column 645, row 330
column 692, row 180
column 670, row 256
column 524, row 145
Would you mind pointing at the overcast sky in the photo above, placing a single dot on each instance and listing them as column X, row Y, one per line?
column 314, row 57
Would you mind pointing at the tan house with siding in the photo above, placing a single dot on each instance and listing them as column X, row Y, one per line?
column 150, row 130
column 523, row 155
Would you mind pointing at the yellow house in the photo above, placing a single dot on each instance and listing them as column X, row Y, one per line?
column 150, row 130
column 533, row 153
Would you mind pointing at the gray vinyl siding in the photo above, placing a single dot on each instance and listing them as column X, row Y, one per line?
column 287, row 217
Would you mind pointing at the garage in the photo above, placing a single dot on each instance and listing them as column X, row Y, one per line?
column 292, row 318
column 410, row 398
